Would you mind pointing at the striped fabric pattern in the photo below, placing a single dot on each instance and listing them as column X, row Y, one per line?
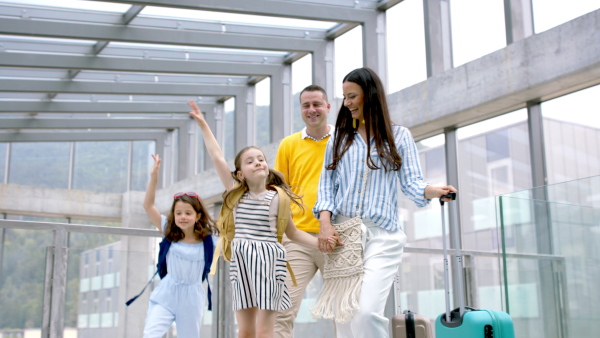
column 258, row 262
column 339, row 190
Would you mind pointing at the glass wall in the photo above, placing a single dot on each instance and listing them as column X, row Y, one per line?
column 477, row 29
column 301, row 78
column 41, row 164
column 423, row 225
column 421, row 275
column 405, row 34
column 22, row 270
column 572, row 135
column 551, row 288
column 348, row 56
column 262, row 122
column 101, row 166
column 551, row 13
column 494, row 159
column 141, row 162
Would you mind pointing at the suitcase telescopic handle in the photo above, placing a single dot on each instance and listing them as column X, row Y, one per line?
column 451, row 196
column 459, row 263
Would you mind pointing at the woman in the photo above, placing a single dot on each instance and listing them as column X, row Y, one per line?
column 387, row 160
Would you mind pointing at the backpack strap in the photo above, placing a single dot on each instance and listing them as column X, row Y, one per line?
column 283, row 217
column 127, row 303
column 226, row 227
column 161, row 267
column 208, row 258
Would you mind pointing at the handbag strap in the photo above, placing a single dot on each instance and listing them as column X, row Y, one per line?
column 363, row 191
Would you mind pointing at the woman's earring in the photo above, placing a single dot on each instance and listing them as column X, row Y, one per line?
column 354, row 123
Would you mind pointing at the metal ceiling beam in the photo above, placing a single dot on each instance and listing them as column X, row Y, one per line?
column 133, row 65
column 131, row 14
column 91, row 136
column 93, row 87
column 98, row 107
column 289, row 9
column 80, row 123
column 132, row 34
column 387, row 4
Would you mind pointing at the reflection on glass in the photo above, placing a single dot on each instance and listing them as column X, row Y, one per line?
column 493, row 159
column 477, row 29
column 423, row 226
column 572, row 135
column 405, row 32
column 41, row 164
column 562, row 225
column 101, row 166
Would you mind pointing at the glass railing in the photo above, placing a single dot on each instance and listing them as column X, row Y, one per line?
column 550, row 236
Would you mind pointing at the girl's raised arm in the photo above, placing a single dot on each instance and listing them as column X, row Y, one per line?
column 149, row 198
column 214, row 151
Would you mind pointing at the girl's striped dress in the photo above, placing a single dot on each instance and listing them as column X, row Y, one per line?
column 258, row 264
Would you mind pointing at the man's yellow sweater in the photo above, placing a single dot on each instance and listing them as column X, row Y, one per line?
column 301, row 161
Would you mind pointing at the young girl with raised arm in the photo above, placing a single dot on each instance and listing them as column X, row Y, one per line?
column 179, row 297
column 258, row 261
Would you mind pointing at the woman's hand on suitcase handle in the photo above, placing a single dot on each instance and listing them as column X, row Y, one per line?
column 439, row 192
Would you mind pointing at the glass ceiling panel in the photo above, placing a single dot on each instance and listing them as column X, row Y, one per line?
column 29, row 73
column 88, row 75
column 132, row 98
column 235, row 18
column 175, row 52
column 87, row 130
column 76, row 4
column 45, row 45
column 86, row 116
column 22, row 96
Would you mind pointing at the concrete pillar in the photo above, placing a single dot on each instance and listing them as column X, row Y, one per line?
column 215, row 122
column 245, row 119
column 285, row 116
column 518, row 16
column 186, row 150
column 374, row 45
column 438, row 36
column 323, row 75
column 136, row 258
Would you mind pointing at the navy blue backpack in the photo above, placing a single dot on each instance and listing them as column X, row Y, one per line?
column 161, row 266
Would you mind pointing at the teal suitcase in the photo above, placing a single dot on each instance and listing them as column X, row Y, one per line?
column 464, row 322
column 475, row 323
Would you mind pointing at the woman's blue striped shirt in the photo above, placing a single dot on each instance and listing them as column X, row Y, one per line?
column 340, row 189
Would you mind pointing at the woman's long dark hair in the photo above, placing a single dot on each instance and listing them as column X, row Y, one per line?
column 377, row 118
column 275, row 178
column 202, row 228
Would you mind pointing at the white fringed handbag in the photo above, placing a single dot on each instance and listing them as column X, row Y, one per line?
column 343, row 270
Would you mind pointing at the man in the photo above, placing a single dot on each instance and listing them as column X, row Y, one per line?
column 300, row 159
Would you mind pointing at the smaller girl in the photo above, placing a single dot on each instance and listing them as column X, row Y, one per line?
column 179, row 297
column 258, row 260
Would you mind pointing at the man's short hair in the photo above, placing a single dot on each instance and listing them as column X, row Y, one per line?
column 314, row 88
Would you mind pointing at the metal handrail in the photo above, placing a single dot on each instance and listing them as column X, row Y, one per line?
column 97, row 229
